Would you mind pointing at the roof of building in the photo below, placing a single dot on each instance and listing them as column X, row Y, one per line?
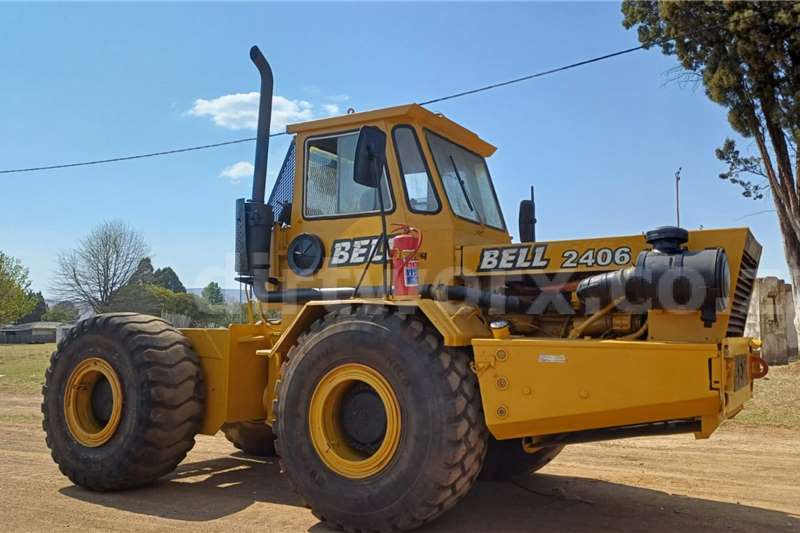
column 30, row 325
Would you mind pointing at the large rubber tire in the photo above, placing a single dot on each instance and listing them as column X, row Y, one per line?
column 506, row 460
column 253, row 438
column 162, row 401
column 443, row 437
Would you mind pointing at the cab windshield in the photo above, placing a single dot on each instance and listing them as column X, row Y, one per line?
column 466, row 182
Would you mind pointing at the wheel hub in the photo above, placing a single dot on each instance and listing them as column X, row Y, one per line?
column 93, row 402
column 102, row 400
column 354, row 421
column 363, row 418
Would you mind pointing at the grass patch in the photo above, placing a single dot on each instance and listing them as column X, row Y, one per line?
column 22, row 367
column 776, row 398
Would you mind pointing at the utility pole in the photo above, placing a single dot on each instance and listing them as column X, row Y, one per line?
column 678, row 196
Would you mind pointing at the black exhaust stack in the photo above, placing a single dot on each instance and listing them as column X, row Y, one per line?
column 264, row 120
column 254, row 218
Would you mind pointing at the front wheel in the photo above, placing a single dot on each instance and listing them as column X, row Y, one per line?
column 379, row 426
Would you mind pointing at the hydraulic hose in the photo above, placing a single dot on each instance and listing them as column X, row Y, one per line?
column 576, row 333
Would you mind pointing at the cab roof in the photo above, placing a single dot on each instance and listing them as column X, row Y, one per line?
column 411, row 113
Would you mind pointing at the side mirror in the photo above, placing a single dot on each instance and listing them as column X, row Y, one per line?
column 527, row 221
column 370, row 156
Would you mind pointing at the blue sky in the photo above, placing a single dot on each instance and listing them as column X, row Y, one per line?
column 600, row 143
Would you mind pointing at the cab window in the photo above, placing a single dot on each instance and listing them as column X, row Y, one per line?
column 329, row 186
column 466, row 182
column 420, row 193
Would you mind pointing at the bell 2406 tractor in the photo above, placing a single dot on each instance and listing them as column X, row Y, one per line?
column 417, row 348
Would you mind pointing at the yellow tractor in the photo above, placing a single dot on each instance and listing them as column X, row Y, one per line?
column 399, row 344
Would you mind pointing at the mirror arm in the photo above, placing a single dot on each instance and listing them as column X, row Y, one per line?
column 387, row 290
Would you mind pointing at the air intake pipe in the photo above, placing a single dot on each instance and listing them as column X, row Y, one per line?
column 253, row 218
column 667, row 277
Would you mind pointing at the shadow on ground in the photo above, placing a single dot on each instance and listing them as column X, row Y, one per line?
column 208, row 490
column 201, row 491
column 563, row 503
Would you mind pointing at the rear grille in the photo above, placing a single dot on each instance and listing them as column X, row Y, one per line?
column 744, row 287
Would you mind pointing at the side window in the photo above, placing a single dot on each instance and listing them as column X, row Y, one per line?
column 329, row 186
column 420, row 193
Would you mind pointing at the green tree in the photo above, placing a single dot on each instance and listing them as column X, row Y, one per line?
column 61, row 312
column 167, row 278
column 135, row 298
column 39, row 309
column 144, row 273
column 181, row 303
column 747, row 56
column 156, row 300
column 15, row 299
column 212, row 293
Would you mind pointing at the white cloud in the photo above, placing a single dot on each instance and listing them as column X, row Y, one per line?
column 285, row 111
column 237, row 171
column 240, row 111
column 331, row 109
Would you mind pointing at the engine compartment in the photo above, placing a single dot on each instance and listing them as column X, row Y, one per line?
column 667, row 284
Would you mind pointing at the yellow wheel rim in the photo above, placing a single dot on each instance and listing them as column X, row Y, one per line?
column 81, row 419
column 327, row 434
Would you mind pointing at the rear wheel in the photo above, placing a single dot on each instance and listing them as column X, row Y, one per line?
column 507, row 460
column 122, row 401
column 252, row 437
column 379, row 426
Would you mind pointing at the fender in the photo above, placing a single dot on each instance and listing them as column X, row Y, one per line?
column 457, row 323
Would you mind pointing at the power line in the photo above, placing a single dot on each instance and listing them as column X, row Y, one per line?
column 754, row 214
column 427, row 102
column 250, row 139
column 138, row 156
column 657, row 42
column 532, row 76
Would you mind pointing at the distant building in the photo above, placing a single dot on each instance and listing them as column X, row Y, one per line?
column 771, row 319
column 30, row 333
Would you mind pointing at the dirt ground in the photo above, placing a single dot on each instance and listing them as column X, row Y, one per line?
column 745, row 478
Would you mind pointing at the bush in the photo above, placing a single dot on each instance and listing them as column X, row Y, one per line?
column 61, row 312
column 158, row 301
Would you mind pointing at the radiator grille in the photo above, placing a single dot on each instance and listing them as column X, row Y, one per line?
column 744, row 287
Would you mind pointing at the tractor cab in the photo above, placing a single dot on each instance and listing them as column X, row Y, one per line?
column 435, row 179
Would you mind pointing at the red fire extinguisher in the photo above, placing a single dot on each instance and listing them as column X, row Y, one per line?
column 404, row 246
